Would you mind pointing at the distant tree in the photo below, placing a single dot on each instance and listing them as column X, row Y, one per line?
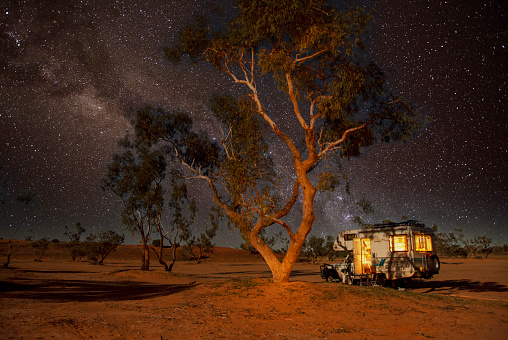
column 485, row 245
column 74, row 236
column 316, row 248
column 500, row 249
column 456, row 244
column 98, row 247
column 471, row 246
column 449, row 244
column 339, row 103
column 75, row 247
column 39, row 247
column 135, row 176
column 182, row 213
column 138, row 177
column 197, row 248
column 478, row 244
column 20, row 199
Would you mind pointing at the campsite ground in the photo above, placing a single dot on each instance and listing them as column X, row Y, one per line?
column 230, row 296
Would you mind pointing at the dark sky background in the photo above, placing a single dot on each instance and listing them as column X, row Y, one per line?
column 73, row 72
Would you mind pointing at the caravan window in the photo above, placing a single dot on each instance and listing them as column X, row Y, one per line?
column 349, row 237
column 398, row 243
column 423, row 242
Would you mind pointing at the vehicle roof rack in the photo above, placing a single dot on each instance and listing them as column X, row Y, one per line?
column 399, row 224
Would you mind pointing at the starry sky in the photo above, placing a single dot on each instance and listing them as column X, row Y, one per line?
column 74, row 72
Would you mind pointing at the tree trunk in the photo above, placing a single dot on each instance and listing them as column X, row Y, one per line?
column 6, row 264
column 161, row 259
column 200, row 253
column 173, row 260
column 160, row 252
column 282, row 271
column 145, row 259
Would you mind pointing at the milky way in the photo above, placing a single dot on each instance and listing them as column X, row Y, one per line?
column 73, row 73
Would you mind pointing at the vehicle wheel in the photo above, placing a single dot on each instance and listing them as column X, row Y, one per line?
column 331, row 275
column 433, row 263
column 402, row 283
column 381, row 280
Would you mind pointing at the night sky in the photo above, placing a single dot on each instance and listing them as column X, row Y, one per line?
column 74, row 72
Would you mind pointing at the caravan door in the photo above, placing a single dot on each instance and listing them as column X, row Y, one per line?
column 361, row 251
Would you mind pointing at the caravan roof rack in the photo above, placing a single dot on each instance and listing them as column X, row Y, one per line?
column 399, row 224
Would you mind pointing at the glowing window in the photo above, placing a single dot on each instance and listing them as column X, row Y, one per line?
column 398, row 243
column 423, row 242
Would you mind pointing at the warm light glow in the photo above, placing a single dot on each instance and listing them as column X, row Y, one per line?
column 423, row 242
column 398, row 243
column 362, row 252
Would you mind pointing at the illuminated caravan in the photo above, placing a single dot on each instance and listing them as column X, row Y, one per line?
column 393, row 252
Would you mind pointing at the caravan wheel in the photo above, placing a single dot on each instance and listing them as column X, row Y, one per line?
column 381, row 280
column 433, row 263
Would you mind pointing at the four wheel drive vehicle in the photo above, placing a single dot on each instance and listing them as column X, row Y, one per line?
column 387, row 253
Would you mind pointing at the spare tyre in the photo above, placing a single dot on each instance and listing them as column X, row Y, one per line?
column 433, row 263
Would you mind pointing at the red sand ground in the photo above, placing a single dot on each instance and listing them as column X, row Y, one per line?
column 229, row 296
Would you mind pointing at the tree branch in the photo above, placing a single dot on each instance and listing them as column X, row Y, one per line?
column 301, row 60
column 332, row 145
column 295, row 102
column 285, row 226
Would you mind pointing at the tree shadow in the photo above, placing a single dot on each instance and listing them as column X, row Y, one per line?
column 236, row 274
column 59, row 271
column 85, row 291
column 458, row 285
column 296, row 273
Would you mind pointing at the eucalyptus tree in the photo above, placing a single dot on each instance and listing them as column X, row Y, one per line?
column 154, row 197
column 182, row 213
column 10, row 199
column 338, row 100
column 135, row 176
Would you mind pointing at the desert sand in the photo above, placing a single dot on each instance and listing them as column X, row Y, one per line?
column 230, row 296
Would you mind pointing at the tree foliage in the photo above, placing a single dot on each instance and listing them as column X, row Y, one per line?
column 182, row 214
column 146, row 186
column 96, row 247
column 75, row 247
column 339, row 101
column 99, row 246
column 38, row 246
column 316, row 248
column 455, row 244
column 20, row 199
column 135, row 176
